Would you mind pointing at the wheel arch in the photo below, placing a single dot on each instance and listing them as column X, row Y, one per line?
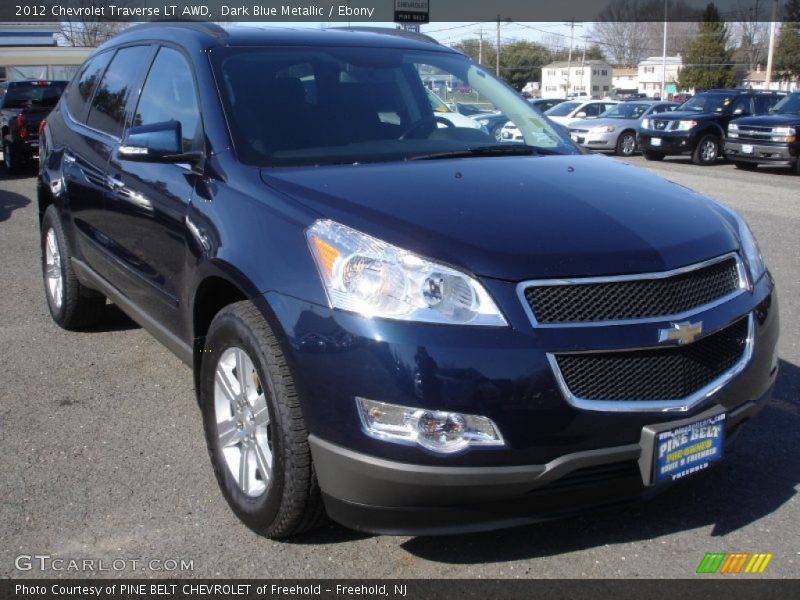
column 220, row 284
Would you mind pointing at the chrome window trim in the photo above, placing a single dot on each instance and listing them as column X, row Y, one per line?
column 744, row 285
column 661, row 406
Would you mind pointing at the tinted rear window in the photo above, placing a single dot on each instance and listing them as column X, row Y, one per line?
column 34, row 94
column 82, row 87
column 123, row 74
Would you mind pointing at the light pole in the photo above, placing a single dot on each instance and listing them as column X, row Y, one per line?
column 664, row 55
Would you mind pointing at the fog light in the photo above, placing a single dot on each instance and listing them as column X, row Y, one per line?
column 439, row 431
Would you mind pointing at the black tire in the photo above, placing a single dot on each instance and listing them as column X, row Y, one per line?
column 703, row 155
column 80, row 307
column 292, row 502
column 497, row 133
column 797, row 166
column 745, row 166
column 650, row 155
column 626, row 144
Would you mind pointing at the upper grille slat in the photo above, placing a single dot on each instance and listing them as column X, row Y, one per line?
column 656, row 374
column 630, row 299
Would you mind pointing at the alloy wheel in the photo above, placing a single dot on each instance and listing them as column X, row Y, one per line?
column 709, row 151
column 628, row 144
column 53, row 274
column 242, row 416
column 7, row 158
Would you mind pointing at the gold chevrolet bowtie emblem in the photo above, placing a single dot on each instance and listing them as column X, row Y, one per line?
column 683, row 333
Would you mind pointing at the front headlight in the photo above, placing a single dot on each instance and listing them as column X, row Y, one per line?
column 733, row 130
column 645, row 123
column 483, row 122
column 750, row 250
column 365, row 275
column 602, row 129
column 686, row 125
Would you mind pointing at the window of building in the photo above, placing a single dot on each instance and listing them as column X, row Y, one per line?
column 595, row 88
column 604, row 72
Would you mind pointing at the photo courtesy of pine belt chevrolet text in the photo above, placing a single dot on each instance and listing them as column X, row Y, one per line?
column 395, row 319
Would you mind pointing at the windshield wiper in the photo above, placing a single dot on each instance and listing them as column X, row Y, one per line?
column 510, row 150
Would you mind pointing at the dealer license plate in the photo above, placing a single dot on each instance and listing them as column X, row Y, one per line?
column 747, row 149
column 689, row 449
column 655, row 141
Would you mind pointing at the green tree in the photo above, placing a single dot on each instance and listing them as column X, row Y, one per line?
column 522, row 61
column 473, row 48
column 787, row 50
column 708, row 58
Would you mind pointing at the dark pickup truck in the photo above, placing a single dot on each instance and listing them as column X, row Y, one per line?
column 699, row 126
column 23, row 106
column 772, row 139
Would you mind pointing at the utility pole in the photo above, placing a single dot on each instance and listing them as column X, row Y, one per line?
column 497, row 58
column 583, row 64
column 663, row 94
column 768, row 77
column 569, row 56
column 480, row 47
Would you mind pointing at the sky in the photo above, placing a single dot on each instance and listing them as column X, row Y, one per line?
column 450, row 33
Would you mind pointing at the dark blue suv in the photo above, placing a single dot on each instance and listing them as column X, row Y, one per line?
column 394, row 320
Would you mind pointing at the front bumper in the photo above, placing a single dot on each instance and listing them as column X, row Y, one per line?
column 774, row 154
column 595, row 141
column 380, row 496
column 671, row 142
column 503, row 374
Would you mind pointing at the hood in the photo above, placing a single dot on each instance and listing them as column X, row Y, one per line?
column 601, row 122
column 772, row 120
column 685, row 115
column 518, row 218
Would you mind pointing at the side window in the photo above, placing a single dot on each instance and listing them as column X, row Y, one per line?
column 169, row 95
column 741, row 106
column 591, row 110
column 2, row 94
column 108, row 106
column 81, row 89
column 764, row 103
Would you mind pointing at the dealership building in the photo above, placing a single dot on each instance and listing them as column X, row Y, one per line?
column 30, row 51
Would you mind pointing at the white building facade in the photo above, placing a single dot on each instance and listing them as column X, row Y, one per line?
column 29, row 51
column 650, row 75
column 591, row 78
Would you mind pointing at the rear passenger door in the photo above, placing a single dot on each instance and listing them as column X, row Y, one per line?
column 97, row 107
column 147, row 202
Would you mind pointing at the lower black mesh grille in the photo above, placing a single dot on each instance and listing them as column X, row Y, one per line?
column 633, row 299
column 660, row 374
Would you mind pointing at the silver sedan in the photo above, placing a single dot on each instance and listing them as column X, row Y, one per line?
column 615, row 129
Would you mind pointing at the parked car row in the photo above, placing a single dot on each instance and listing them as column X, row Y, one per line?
column 747, row 127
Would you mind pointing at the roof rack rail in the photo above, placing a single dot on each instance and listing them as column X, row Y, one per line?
column 420, row 37
column 202, row 26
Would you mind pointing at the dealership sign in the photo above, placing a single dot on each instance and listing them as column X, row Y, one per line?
column 410, row 11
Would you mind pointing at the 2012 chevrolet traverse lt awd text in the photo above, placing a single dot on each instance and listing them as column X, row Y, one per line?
column 394, row 321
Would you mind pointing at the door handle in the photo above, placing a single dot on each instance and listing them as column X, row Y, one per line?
column 115, row 183
column 68, row 158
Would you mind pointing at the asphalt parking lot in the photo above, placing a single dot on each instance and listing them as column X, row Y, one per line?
column 102, row 451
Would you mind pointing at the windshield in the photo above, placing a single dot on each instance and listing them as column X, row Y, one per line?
column 626, row 110
column 563, row 109
column 34, row 94
column 708, row 103
column 790, row 104
column 306, row 106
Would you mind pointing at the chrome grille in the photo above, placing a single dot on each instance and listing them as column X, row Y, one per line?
column 658, row 295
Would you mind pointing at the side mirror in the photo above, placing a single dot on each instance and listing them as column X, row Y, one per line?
column 581, row 114
column 157, row 142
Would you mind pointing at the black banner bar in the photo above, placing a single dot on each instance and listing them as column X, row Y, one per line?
column 731, row 588
column 378, row 11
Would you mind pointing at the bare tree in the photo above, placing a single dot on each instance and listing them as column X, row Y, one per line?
column 88, row 32
column 751, row 31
